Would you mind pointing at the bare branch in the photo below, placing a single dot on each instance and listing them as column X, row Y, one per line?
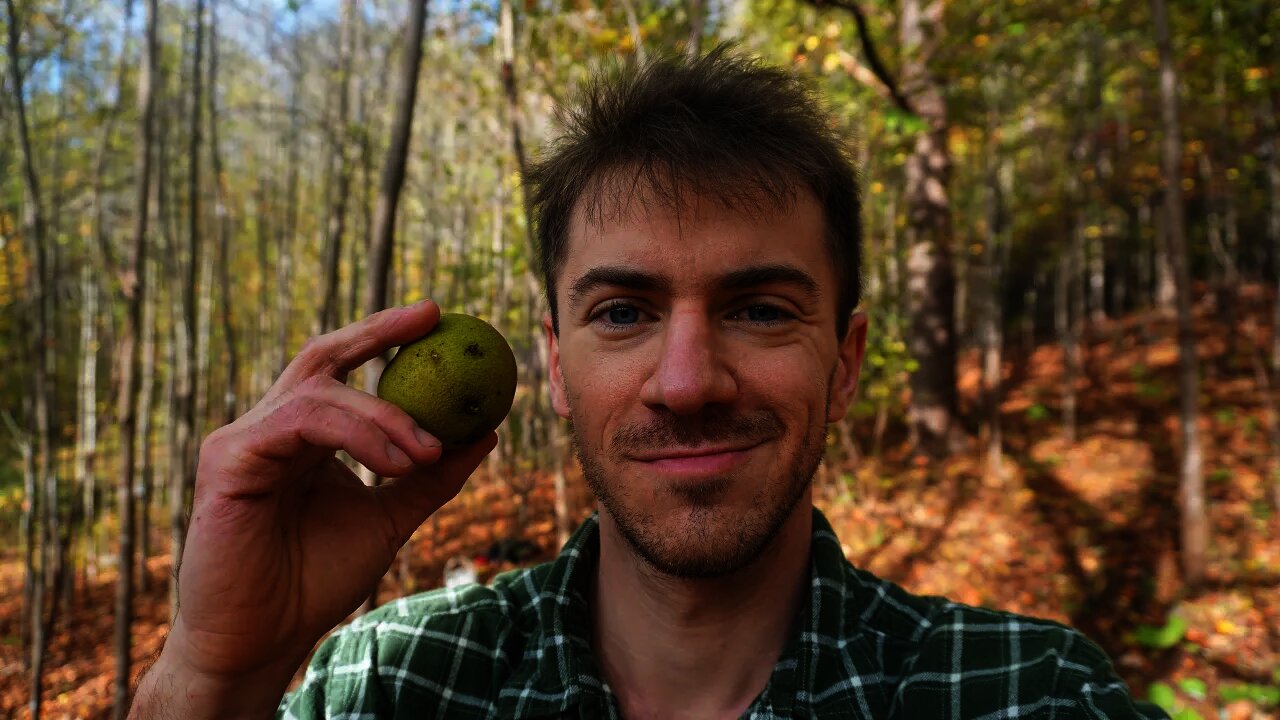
column 874, row 63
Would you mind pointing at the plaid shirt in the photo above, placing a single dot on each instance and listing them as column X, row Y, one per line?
column 863, row 648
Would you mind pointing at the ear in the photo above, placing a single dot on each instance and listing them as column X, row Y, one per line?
column 559, row 399
column 844, row 385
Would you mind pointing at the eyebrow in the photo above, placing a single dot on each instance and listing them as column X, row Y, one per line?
column 757, row 275
column 740, row 279
column 616, row 276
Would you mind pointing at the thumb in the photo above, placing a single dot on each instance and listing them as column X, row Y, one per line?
column 411, row 499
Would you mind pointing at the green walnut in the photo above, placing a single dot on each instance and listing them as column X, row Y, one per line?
column 457, row 383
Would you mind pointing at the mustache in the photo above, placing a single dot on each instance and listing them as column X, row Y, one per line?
column 712, row 426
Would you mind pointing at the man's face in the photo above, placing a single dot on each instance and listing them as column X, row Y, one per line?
column 698, row 362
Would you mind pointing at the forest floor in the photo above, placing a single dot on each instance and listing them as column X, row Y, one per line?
column 1085, row 533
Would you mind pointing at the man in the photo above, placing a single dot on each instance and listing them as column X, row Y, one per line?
column 698, row 231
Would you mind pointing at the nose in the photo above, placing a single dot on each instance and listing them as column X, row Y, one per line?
column 692, row 370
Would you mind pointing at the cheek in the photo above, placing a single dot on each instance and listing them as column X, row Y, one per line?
column 595, row 392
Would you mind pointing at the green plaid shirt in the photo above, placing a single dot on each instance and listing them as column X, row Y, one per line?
column 863, row 648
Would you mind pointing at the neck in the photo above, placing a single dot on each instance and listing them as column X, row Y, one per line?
column 704, row 648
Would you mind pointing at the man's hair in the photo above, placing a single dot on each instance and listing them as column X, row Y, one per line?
column 722, row 127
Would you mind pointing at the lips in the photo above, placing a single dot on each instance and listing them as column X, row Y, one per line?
column 695, row 461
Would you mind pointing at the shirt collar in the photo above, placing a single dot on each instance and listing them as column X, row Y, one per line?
column 559, row 670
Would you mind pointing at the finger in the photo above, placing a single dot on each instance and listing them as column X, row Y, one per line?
column 347, row 348
column 417, row 443
column 305, row 429
column 411, row 499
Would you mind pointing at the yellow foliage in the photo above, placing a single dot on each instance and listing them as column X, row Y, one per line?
column 811, row 43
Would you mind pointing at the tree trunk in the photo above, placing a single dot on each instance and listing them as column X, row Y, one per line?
column 992, row 320
column 187, row 433
column 134, row 286
column 87, row 427
column 261, row 370
column 389, row 186
column 36, row 234
column 1194, row 527
column 289, row 229
column 341, row 170
column 204, row 337
column 223, row 214
column 1271, row 159
column 931, row 280
column 146, row 395
column 697, row 20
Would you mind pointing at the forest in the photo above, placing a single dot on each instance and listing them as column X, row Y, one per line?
column 1070, row 406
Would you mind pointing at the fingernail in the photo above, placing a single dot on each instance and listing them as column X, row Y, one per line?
column 425, row 439
column 397, row 455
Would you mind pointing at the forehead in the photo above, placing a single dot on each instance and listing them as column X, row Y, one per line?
column 698, row 239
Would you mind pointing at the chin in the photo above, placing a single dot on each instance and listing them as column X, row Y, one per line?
column 703, row 534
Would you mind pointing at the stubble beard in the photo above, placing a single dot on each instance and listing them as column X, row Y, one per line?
column 709, row 542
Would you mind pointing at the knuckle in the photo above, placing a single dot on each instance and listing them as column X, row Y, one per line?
column 319, row 353
column 315, row 385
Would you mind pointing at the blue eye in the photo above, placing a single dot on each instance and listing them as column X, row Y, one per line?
column 622, row 315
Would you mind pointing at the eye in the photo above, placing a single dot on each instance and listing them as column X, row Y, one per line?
column 763, row 314
column 622, row 315
column 618, row 316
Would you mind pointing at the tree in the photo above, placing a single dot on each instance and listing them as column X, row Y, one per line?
column 223, row 214
column 36, row 233
column 390, row 184
column 188, row 429
column 339, row 167
column 931, row 284
column 134, row 286
column 1195, row 532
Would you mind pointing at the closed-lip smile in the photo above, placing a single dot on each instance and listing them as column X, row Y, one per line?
column 690, row 452
column 694, row 462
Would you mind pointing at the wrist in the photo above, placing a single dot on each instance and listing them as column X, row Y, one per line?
column 175, row 688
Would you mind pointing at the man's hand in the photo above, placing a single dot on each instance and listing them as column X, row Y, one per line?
column 284, row 540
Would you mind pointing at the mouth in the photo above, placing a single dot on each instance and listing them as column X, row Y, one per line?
column 708, row 460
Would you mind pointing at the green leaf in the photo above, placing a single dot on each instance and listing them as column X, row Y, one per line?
column 1016, row 29
column 1162, row 695
column 1187, row 714
column 1164, row 637
column 1195, row 688
column 1264, row 695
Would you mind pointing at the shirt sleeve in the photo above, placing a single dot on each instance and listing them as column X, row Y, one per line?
column 1102, row 695
column 341, row 680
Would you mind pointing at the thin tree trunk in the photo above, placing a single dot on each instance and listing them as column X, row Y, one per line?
column 633, row 25
column 187, row 418
column 134, row 286
column 37, row 236
column 87, row 427
column 697, row 20
column 223, row 214
column 992, row 320
column 204, row 337
column 1195, row 536
column 1271, row 158
column 341, row 170
column 289, row 229
column 258, row 339
column 146, row 469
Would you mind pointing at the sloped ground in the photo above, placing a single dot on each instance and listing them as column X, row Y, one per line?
column 1083, row 533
